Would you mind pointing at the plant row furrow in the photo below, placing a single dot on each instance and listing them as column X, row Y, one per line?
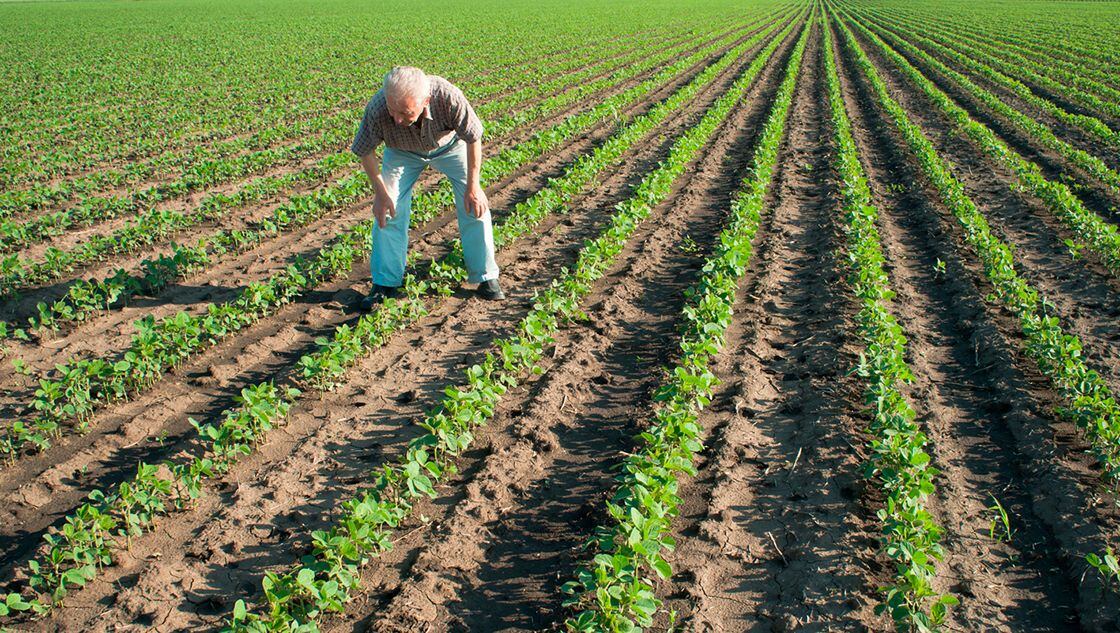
column 334, row 131
column 87, row 297
column 899, row 463
column 1089, row 124
column 614, row 591
column 1041, row 133
column 1088, row 401
column 41, row 195
column 1088, row 228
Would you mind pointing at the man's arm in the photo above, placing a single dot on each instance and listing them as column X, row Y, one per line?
column 384, row 206
column 477, row 203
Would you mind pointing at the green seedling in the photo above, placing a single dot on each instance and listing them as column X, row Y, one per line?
column 1000, row 526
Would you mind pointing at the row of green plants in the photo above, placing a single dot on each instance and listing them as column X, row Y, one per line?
column 18, row 273
column 88, row 137
column 137, row 171
column 42, row 194
column 88, row 297
column 899, row 463
column 614, row 591
column 325, row 578
column 1009, row 44
column 1090, row 92
column 326, row 370
column 170, row 130
column 1068, row 46
column 1089, row 229
column 334, row 131
column 1088, row 401
column 83, row 384
column 1087, row 123
column 17, row 234
column 1030, row 72
column 1095, row 167
column 264, row 406
column 1006, row 46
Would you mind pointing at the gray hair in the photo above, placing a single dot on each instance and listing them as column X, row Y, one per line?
column 406, row 81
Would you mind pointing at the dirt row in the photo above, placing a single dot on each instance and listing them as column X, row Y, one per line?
column 1095, row 196
column 1069, row 133
column 1083, row 291
column 432, row 350
column 72, row 238
column 774, row 532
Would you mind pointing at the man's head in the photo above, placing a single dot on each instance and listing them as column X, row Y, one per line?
column 407, row 92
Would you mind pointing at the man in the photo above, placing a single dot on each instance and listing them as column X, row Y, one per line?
column 423, row 120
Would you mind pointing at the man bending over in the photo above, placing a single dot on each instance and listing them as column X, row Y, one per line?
column 423, row 120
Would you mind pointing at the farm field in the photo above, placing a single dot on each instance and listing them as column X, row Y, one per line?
column 813, row 320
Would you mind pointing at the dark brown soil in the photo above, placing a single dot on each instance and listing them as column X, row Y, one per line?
column 777, row 531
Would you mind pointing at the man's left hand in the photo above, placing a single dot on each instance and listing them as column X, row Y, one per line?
column 477, row 204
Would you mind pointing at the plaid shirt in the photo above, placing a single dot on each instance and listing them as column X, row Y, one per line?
column 448, row 113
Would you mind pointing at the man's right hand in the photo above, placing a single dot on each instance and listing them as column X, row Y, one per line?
column 383, row 209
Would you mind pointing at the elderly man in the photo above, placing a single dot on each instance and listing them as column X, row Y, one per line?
column 423, row 120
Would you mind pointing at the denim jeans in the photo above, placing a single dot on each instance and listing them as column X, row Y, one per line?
column 400, row 170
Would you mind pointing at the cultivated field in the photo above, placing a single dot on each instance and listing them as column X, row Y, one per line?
column 813, row 320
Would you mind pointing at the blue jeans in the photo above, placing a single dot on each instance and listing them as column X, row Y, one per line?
column 400, row 170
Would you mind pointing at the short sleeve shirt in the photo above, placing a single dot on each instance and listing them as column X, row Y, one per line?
column 448, row 113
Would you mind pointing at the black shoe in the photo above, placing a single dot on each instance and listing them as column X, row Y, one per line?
column 490, row 290
column 377, row 295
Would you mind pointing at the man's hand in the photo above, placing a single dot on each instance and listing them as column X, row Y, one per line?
column 383, row 209
column 477, row 203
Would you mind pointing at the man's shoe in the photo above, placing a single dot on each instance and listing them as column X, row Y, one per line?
column 376, row 296
column 490, row 290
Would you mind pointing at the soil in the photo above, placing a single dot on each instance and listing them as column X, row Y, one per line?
column 778, row 529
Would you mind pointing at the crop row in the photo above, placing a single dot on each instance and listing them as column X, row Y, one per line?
column 1046, row 47
column 333, row 131
column 83, row 384
column 1089, row 124
column 614, row 590
column 220, row 105
column 899, row 462
column 1092, row 165
column 1075, row 44
column 215, row 158
column 231, row 112
column 263, row 405
column 1029, row 72
column 1089, row 229
column 1089, row 91
column 1006, row 46
column 1088, row 401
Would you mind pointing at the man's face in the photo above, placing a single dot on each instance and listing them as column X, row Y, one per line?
column 406, row 110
